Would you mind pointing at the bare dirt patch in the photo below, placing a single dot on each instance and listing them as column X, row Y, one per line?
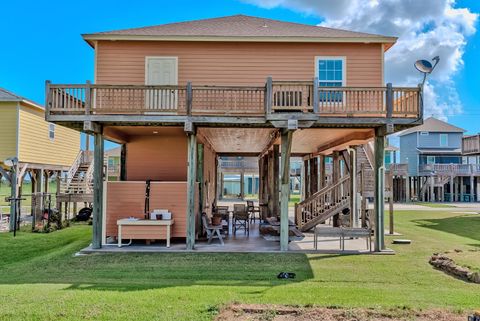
column 255, row 312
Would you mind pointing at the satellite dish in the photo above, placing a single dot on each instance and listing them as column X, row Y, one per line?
column 424, row 66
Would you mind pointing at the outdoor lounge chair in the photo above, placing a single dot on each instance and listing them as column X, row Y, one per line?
column 240, row 219
column 212, row 230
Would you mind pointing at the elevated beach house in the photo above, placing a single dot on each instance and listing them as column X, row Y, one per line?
column 181, row 95
column 433, row 152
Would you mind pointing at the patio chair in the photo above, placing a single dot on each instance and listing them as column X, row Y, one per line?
column 212, row 230
column 240, row 219
column 252, row 210
column 223, row 212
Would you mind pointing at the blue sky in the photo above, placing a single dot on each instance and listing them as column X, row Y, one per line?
column 41, row 40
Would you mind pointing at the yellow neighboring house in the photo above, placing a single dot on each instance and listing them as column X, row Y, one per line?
column 39, row 145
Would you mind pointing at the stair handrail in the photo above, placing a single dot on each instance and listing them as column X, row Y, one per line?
column 75, row 165
column 319, row 195
column 369, row 151
column 89, row 176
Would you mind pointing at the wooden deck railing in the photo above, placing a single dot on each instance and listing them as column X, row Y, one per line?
column 273, row 97
column 449, row 169
column 471, row 145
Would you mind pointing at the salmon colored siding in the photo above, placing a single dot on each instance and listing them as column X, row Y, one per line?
column 8, row 130
column 230, row 63
column 127, row 199
column 35, row 145
column 160, row 157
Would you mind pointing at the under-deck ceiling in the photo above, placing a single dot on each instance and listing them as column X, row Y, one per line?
column 253, row 141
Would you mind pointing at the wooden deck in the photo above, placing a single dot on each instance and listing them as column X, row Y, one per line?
column 273, row 99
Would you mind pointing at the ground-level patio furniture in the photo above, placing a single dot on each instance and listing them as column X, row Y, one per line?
column 341, row 233
column 212, row 230
column 356, row 232
column 326, row 231
column 225, row 214
column 143, row 229
column 252, row 211
column 240, row 219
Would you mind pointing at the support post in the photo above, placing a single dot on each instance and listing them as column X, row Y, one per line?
column 335, row 178
column 313, row 175
column 191, row 175
column 200, row 178
column 390, row 205
column 432, row 189
column 472, row 193
column 306, row 166
column 407, row 189
column 286, row 142
column 13, row 195
column 97, row 223
column 379, row 195
column 322, row 172
column 123, row 162
column 353, row 188
column 276, row 177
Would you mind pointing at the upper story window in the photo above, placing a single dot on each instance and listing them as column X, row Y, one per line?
column 424, row 133
column 443, row 140
column 51, row 131
column 331, row 73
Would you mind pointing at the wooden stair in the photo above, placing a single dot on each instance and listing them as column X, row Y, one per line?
column 322, row 205
column 79, row 179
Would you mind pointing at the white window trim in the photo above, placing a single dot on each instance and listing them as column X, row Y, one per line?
column 147, row 58
column 344, row 66
column 440, row 138
column 50, row 126
column 424, row 133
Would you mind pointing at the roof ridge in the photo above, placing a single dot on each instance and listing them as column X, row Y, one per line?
column 213, row 19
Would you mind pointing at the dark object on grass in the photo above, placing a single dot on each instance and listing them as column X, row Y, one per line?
column 401, row 241
column 286, row 275
column 84, row 214
column 474, row 317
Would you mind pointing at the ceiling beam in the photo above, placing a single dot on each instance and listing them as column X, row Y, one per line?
column 355, row 138
column 274, row 136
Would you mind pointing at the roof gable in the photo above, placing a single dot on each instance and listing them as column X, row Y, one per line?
column 237, row 27
column 433, row 125
column 8, row 96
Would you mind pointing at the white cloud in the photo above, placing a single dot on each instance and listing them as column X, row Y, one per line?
column 426, row 28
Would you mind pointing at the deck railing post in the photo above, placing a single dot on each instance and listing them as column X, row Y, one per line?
column 189, row 98
column 420, row 101
column 48, row 99
column 88, row 97
column 389, row 100
column 315, row 96
column 268, row 96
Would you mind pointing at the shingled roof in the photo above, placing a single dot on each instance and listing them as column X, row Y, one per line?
column 433, row 125
column 237, row 27
column 8, row 96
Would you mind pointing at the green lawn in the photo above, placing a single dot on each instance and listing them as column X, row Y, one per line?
column 26, row 190
column 42, row 280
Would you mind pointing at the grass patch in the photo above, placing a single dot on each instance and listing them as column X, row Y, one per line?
column 294, row 198
column 41, row 280
column 434, row 205
column 469, row 259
